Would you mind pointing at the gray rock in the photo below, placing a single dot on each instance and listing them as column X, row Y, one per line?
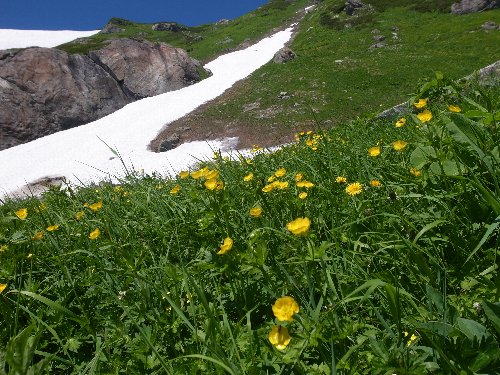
column 378, row 38
column 377, row 45
column 352, row 5
column 111, row 29
column 283, row 95
column 222, row 21
column 169, row 143
column 147, row 69
column 167, row 26
column 473, row 6
column 490, row 25
column 284, row 55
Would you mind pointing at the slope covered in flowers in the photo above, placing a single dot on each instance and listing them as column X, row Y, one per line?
column 368, row 248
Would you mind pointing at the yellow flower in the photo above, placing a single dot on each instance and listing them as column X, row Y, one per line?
column 255, row 148
column 412, row 338
column 284, row 308
column 248, row 177
column 53, row 228
column 183, row 174
column 94, row 234
column 281, row 184
column 175, row 189
column 298, row 177
column 425, row 116
column 305, row 184
column 268, row 188
column 303, row 195
column 29, row 256
column 280, row 172
column 375, row 183
column 299, row 226
column 421, row 103
column 3, row 286
column 226, row 246
column 271, row 179
column 454, row 108
column 22, row 213
column 211, row 184
column 341, row 179
column 374, row 151
column 79, row 215
column 96, row 206
column 256, row 211
column 37, row 236
column 415, row 172
column 212, row 174
column 401, row 122
column 399, row 145
column 199, row 173
column 354, row 189
column 220, row 185
column 279, row 337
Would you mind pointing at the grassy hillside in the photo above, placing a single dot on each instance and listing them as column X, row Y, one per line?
column 336, row 76
column 203, row 42
column 368, row 249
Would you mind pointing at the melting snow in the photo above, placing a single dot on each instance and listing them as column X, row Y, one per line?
column 10, row 38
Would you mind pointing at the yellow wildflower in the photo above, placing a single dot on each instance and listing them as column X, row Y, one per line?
column 425, row 116
column 220, row 185
column 22, row 213
column 211, row 184
column 256, row 211
column 280, row 172
column 401, row 122
column 374, row 151
column 284, row 308
column 279, row 337
column 226, row 246
column 175, row 189
column 268, row 188
column 375, row 183
column 212, row 174
column 248, row 177
column 79, row 215
column 183, row 174
column 354, row 189
column 399, row 145
column 53, row 228
column 454, row 108
column 29, row 256
column 305, row 184
column 298, row 177
column 299, row 226
column 37, row 236
column 412, row 338
column 421, row 103
column 94, row 234
column 3, row 286
column 255, row 148
column 271, row 179
column 341, row 179
column 199, row 173
column 415, row 172
column 96, row 206
column 281, row 184
column 303, row 195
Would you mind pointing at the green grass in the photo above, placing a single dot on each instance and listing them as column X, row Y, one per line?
column 400, row 278
column 203, row 42
column 335, row 76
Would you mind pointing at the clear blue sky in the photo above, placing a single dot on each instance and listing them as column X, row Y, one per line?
column 93, row 14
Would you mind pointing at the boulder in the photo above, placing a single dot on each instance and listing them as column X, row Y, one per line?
column 146, row 69
column 352, row 5
column 490, row 25
column 169, row 143
column 473, row 6
column 44, row 90
column 167, row 26
column 111, row 29
column 284, row 55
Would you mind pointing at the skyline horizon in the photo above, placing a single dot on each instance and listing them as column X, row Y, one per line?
column 60, row 15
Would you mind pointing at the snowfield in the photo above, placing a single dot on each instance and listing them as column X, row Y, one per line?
column 83, row 154
column 10, row 38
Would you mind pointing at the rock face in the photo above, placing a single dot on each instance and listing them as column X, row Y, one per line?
column 147, row 69
column 283, row 55
column 472, row 6
column 44, row 90
column 167, row 26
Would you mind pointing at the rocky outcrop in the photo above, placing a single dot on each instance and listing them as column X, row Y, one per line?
column 473, row 6
column 147, row 69
column 167, row 26
column 284, row 55
column 44, row 90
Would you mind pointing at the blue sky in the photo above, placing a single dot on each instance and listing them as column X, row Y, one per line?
column 93, row 14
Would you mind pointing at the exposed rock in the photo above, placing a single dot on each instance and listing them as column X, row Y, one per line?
column 377, row 45
column 283, row 95
column 245, row 44
column 146, row 69
column 490, row 25
column 167, row 26
column 473, row 6
column 111, row 29
column 169, row 143
column 378, row 38
column 222, row 22
column 284, row 55
column 44, row 90
column 352, row 5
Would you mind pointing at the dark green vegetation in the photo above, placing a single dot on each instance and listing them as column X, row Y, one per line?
column 203, row 42
column 397, row 273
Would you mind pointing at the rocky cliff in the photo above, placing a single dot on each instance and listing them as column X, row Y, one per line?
column 44, row 90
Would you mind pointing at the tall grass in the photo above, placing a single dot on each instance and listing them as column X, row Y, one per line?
column 393, row 264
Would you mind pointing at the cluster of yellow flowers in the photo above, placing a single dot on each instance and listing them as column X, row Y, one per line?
column 311, row 140
column 210, row 177
column 283, row 309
